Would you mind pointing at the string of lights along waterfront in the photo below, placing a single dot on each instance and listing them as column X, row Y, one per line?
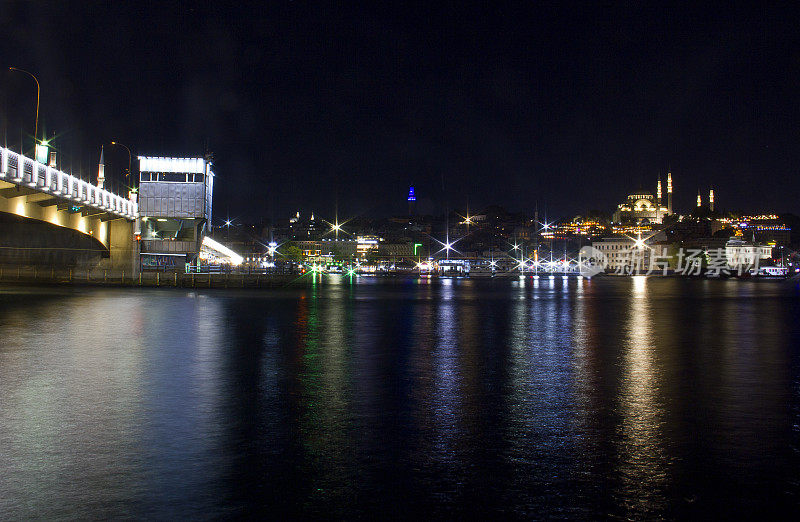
column 417, row 261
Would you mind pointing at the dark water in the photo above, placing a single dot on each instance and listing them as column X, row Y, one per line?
column 630, row 398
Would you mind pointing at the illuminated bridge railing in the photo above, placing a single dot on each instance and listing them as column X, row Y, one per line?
column 25, row 172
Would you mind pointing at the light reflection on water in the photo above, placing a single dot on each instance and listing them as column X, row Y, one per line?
column 643, row 464
column 628, row 397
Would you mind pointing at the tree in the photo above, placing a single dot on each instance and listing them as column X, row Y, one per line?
column 293, row 253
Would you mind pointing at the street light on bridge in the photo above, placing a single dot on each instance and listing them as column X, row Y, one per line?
column 128, row 175
column 38, row 92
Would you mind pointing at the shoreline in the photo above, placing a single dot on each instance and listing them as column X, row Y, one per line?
column 34, row 276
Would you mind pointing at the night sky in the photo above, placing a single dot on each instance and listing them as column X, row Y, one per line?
column 306, row 104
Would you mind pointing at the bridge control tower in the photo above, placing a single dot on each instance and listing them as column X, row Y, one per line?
column 175, row 209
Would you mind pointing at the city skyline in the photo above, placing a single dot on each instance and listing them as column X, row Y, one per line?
column 310, row 107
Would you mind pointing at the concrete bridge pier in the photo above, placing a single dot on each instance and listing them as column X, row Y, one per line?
column 123, row 249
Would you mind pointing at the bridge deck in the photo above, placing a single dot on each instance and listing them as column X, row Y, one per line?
column 33, row 177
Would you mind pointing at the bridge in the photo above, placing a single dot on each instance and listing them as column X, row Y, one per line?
column 35, row 192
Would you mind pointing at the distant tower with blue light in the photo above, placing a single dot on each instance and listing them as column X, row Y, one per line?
column 412, row 201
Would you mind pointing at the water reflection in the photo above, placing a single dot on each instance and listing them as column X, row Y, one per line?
column 532, row 398
column 643, row 464
column 446, row 398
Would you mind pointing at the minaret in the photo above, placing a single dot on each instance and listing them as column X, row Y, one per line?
column 699, row 201
column 711, row 200
column 669, row 192
column 659, row 218
column 101, row 170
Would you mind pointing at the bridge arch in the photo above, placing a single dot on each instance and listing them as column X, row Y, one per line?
column 29, row 241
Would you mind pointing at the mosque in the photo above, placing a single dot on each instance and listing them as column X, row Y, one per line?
column 642, row 208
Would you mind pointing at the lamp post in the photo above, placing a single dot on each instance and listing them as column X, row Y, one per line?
column 128, row 175
column 38, row 92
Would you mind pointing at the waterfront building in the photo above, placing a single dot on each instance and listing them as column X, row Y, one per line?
column 320, row 250
column 620, row 253
column 365, row 244
column 310, row 249
column 623, row 252
column 739, row 252
column 329, row 250
column 404, row 249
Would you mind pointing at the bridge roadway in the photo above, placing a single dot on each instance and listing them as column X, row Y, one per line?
column 33, row 190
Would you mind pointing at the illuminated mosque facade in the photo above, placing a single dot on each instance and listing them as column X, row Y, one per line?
column 642, row 208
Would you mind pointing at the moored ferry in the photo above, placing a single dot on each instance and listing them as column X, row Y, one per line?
column 770, row 271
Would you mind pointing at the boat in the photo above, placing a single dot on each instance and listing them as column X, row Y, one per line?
column 773, row 272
